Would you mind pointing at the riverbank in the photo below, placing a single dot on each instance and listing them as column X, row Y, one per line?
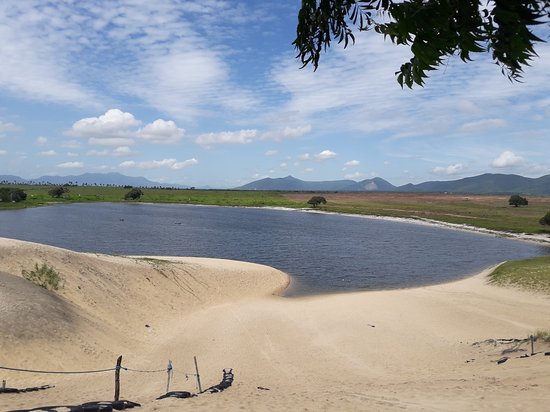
column 426, row 348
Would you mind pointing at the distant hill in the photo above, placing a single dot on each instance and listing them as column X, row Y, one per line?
column 483, row 184
column 291, row 184
column 486, row 184
column 99, row 179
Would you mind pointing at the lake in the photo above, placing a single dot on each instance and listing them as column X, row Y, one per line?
column 323, row 253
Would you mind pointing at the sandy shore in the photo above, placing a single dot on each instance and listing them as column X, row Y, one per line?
column 412, row 349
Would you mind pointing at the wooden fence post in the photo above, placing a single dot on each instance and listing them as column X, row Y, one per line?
column 117, row 378
column 198, row 376
column 4, row 384
column 532, row 344
column 169, row 371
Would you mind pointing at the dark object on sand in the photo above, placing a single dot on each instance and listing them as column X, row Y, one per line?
column 33, row 389
column 177, row 394
column 263, row 389
column 546, row 353
column 226, row 382
column 502, row 360
column 96, row 406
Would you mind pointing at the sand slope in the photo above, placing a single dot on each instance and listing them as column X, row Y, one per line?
column 405, row 349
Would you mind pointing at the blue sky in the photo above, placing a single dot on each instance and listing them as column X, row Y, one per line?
column 209, row 93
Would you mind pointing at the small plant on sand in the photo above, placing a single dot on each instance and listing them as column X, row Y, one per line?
column 44, row 276
column 543, row 335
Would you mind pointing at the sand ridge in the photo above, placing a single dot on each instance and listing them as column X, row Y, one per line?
column 385, row 350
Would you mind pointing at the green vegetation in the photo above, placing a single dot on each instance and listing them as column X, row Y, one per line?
column 545, row 220
column 58, row 191
column 133, row 194
column 489, row 212
column 532, row 274
column 434, row 31
column 44, row 276
column 517, row 200
column 317, row 200
column 543, row 335
column 38, row 196
column 14, row 194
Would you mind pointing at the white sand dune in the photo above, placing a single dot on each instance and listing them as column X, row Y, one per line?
column 388, row 350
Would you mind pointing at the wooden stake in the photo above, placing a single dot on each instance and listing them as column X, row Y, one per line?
column 117, row 378
column 4, row 384
column 198, row 376
column 169, row 371
column 532, row 345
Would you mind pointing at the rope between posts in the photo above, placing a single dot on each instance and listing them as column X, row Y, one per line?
column 143, row 371
column 57, row 372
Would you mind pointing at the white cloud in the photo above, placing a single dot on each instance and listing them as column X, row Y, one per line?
column 284, row 165
column 508, row 159
column 287, row 133
column 240, row 137
column 157, row 164
column 304, row 156
column 325, row 155
column 48, row 153
column 71, row 165
column 161, row 131
column 111, row 128
column 308, row 170
column 118, row 128
column 482, row 125
column 72, row 154
column 271, row 152
column 353, row 163
column 3, row 152
column 41, row 140
column 120, row 151
column 449, row 170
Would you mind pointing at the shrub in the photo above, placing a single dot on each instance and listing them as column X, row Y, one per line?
column 44, row 276
column 545, row 220
column 317, row 200
column 58, row 191
column 517, row 200
column 12, row 195
column 133, row 194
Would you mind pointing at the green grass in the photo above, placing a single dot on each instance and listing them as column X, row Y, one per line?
column 38, row 196
column 531, row 274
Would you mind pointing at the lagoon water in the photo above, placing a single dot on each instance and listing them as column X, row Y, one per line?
column 323, row 253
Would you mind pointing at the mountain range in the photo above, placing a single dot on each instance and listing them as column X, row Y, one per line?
column 91, row 179
column 483, row 184
column 487, row 183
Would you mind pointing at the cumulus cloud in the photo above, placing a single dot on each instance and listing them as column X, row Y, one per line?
column 508, row 159
column 48, row 153
column 118, row 128
column 325, row 155
column 157, row 164
column 353, row 163
column 240, row 137
column 3, row 152
column 71, row 165
column 449, row 170
column 271, row 152
column 41, row 140
column 161, row 131
column 305, row 156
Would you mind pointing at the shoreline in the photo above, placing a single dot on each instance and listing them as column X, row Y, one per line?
column 424, row 348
